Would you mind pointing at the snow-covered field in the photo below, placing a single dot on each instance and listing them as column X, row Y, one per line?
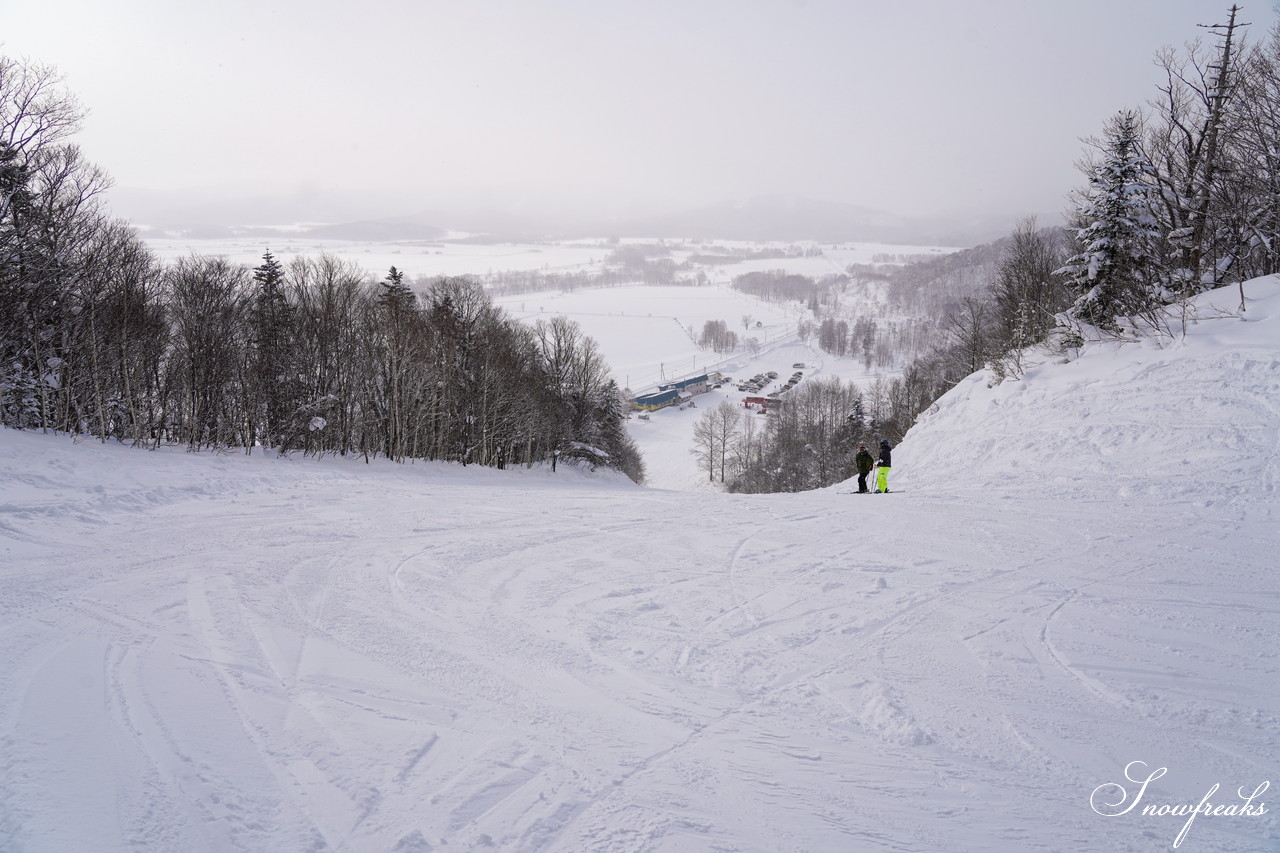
column 451, row 257
column 414, row 259
column 1074, row 581
column 647, row 334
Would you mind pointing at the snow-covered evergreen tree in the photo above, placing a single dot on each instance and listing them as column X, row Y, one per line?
column 274, row 371
column 397, row 326
column 396, row 295
column 610, row 414
column 1113, row 274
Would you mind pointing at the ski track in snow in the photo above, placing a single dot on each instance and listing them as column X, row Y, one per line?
column 220, row 653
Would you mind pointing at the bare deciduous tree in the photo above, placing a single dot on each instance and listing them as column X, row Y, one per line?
column 714, row 436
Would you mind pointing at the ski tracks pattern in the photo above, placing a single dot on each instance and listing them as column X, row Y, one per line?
column 612, row 671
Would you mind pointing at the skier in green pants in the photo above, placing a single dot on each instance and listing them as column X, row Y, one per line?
column 882, row 467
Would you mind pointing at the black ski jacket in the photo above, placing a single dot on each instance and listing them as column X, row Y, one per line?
column 885, row 459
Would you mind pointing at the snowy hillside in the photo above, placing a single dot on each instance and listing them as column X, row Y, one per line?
column 218, row 652
column 1192, row 416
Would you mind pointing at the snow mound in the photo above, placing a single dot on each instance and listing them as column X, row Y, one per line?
column 1195, row 413
column 885, row 718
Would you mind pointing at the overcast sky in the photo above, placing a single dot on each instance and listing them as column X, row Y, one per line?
column 910, row 106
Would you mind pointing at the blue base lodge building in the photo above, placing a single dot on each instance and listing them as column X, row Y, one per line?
column 672, row 393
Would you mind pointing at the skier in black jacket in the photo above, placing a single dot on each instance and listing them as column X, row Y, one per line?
column 865, row 462
column 883, row 466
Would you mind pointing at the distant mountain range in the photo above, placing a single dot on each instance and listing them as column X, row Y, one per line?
column 356, row 216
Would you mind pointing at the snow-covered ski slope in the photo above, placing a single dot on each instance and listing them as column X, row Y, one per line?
column 221, row 653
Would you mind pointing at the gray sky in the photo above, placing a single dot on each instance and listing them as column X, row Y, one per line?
column 910, row 106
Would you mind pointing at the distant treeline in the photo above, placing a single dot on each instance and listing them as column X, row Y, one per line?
column 627, row 264
column 781, row 286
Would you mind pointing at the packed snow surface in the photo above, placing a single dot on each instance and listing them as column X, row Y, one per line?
column 1074, row 588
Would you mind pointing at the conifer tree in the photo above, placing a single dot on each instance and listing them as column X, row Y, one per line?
column 396, row 301
column 1113, row 275
column 274, row 376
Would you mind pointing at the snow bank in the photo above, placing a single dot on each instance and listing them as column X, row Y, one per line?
column 1192, row 415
